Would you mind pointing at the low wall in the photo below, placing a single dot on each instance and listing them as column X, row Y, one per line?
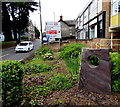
column 93, row 43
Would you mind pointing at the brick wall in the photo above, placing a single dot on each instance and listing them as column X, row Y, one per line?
column 94, row 43
column 106, row 7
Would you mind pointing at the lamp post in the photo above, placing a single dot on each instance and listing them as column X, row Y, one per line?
column 54, row 16
column 40, row 20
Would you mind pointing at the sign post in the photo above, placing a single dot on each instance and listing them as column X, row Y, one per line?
column 53, row 29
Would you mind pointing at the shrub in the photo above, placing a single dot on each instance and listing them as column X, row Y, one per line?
column 37, row 67
column 48, row 56
column 12, row 75
column 115, row 58
column 24, row 38
column 43, row 50
column 72, row 50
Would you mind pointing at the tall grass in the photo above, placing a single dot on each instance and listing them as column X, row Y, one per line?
column 73, row 65
column 71, row 54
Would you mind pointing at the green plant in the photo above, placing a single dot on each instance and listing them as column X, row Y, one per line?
column 12, row 75
column 48, row 56
column 93, row 60
column 71, row 55
column 42, row 51
column 24, row 37
column 115, row 58
column 55, row 81
column 73, row 65
column 59, row 81
column 72, row 50
column 7, row 42
column 37, row 67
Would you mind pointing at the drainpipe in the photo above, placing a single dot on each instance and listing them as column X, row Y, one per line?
column 111, row 43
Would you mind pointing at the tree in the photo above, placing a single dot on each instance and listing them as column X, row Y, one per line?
column 6, row 23
column 37, row 32
column 19, row 12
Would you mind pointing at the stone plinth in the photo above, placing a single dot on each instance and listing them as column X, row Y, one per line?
column 95, row 78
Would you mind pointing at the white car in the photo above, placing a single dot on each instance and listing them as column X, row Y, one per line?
column 24, row 46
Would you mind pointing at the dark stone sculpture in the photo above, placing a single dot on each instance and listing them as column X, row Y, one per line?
column 95, row 78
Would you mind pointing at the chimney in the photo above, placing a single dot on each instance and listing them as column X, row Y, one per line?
column 61, row 17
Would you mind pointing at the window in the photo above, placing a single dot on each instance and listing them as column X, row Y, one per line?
column 115, row 7
column 86, row 16
column 119, row 7
column 93, row 9
column 70, row 28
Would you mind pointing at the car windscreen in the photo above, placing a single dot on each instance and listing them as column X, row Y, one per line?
column 23, row 44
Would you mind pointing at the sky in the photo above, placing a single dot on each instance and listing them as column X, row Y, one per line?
column 52, row 10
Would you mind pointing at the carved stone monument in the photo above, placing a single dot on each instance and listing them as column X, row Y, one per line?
column 95, row 78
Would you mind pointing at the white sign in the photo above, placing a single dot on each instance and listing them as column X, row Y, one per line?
column 53, row 29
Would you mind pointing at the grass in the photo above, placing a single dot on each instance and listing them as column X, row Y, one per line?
column 73, row 65
column 38, row 85
column 7, row 42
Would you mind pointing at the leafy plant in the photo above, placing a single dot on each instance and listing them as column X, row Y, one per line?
column 59, row 81
column 115, row 58
column 37, row 68
column 71, row 55
column 48, row 56
column 12, row 75
column 93, row 60
column 42, row 51
column 56, row 81
column 73, row 65
column 72, row 50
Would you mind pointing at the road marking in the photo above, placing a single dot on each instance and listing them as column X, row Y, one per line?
column 4, row 55
column 20, row 60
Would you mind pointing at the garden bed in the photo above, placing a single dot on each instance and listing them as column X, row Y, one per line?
column 39, row 88
column 51, row 78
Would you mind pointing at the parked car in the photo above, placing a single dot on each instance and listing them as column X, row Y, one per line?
column 51, row 39
column 45, row 40
column 24, row 46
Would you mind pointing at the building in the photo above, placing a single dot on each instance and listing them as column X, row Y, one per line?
column 93, row 21
column 67, row 28
column 31, row 31
column 115, row 19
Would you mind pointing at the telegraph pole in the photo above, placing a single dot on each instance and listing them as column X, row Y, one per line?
column 40, row 21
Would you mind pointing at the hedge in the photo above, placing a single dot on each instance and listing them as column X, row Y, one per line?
column 12, row 75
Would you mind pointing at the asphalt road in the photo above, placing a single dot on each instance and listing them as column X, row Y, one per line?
column 10, row 54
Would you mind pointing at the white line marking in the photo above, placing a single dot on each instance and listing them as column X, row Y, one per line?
column 4, row 55
column 20, row 60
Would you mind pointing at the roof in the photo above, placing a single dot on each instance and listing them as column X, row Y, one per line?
column 69, row 22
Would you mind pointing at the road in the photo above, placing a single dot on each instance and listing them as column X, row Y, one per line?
column 10, row 54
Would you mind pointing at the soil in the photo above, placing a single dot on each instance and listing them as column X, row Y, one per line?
column 74, row 96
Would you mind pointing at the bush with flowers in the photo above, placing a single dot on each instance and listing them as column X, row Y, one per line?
column 48, row 56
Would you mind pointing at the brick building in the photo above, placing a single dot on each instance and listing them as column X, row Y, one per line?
column 67, row 28
column 115, row 19
column 94, row 20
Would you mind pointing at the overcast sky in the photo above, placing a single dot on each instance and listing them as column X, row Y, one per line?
column 69, row 9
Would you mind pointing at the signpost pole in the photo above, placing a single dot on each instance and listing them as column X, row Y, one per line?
column 59, row 44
